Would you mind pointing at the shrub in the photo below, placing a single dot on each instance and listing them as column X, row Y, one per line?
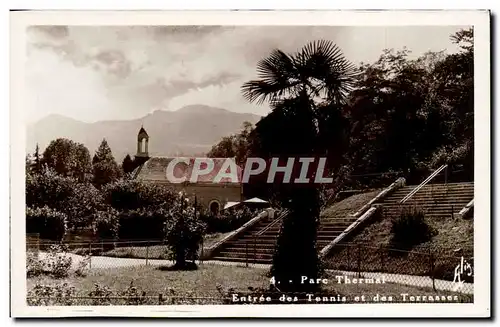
column 34, row 266
column 82, row 205
column 134, row 194
column 101, row 295
column 48, row 189
column 43, row 295
column 227, row 220
column 410, row 229
column 79, row 201
column 183, row 232
column 106, row 225
column 48, row 223
column 57, row 263
column 142, row 224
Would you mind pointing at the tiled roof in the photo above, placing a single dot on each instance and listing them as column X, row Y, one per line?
column 155, row 169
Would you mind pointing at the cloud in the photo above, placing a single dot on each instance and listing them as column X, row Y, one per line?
column 97, row 72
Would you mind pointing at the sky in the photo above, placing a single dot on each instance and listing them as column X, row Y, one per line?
column 93, row 73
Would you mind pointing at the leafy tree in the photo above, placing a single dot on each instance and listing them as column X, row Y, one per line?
column 307, row 91
column 234, row 146
column 128, row 165
column 68, row 158
column 48, row 223
column 78, row 201
column 104, row 165
column 125, row 195
column 183, row 232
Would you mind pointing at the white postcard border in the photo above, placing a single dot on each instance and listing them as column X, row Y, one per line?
column 482, row 212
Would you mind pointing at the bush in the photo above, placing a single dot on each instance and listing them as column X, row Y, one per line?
column 106, row 225
column 48, row 189
column 51, row 295
column 56, row 263
column 34, row 266
column 133, row 194
column 227, row 220
column 184, row 232
column 79, row 201
column 410, row 229
column 142, row 224
column 50, row 224
column 82, row 205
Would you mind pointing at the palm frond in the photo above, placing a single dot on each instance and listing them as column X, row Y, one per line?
column 277, row 75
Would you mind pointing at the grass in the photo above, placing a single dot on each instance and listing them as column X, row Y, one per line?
column 202, row 283
column 452, row 234
column 349, row 205
column 141, row 252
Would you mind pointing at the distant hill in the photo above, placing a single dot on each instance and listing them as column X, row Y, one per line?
column 191, row 130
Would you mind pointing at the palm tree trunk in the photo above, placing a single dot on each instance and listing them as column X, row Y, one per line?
column 295, row 253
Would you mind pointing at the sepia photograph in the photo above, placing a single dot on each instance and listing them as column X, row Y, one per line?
column 250, row 164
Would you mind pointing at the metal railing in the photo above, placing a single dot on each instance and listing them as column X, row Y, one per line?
column 251, row 246
column 427, row 180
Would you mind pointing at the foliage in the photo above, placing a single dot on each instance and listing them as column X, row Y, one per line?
column 101, row 295
column 227, row 220
column 410, row 229
column 48, row 223
column 77, row 200
column 48, row 189
column 54, row 263
column 128, row 165
column 416, row 108
column 142, row 224
column 234, row 146
column 106, row 224
column 57, row 263
column 34, row 266
column 135, row 194
column 68, row 158
column 184, row 232
column 49, row 295
column 104, row 165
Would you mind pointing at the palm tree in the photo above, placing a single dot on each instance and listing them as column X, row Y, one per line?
column 319, row 70
column 305, row 90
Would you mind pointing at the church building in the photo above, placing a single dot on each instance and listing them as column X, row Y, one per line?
column 211, row 195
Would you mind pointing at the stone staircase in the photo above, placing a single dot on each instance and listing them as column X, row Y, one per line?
column 436, row 200
column 256, row 244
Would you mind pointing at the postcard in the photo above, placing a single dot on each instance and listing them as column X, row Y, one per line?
column 250, row 164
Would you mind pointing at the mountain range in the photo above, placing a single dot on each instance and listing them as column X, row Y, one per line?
column 191, row 130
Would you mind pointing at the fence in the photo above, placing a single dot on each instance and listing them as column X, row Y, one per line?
column 110, row 254
column 424, row 268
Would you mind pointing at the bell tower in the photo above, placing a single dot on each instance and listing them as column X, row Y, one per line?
column 142, row 145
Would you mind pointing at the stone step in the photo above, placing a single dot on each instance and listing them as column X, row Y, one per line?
column 227, row 254
column 249, row 260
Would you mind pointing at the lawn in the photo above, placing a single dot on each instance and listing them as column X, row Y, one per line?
column 158, row 251
column 201, row 285
column 437, row 255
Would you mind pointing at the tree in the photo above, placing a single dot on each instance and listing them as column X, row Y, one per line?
column 104, row 165
column 183, row 232
column 128, row 165
column 234, row 146
column 307, row 91
column 68, row 158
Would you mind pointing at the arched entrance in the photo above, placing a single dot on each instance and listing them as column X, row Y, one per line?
column 214, row 207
